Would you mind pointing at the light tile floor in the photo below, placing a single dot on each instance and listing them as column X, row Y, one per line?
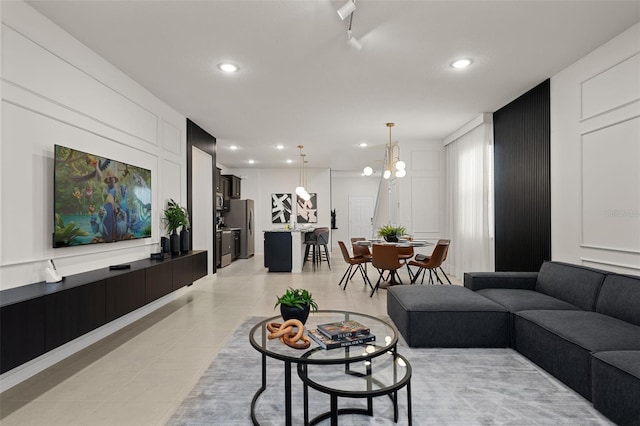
column 139, row 375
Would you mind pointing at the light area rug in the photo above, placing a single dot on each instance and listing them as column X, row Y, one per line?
column 448, row 387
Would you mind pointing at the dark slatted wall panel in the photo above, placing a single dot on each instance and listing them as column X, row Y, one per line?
column 522, row 182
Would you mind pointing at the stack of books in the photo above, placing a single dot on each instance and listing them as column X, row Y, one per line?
column 341, row 334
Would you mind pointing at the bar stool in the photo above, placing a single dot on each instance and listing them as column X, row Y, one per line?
column 315, row 242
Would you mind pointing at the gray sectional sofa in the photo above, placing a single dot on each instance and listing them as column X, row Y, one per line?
column 580, row 324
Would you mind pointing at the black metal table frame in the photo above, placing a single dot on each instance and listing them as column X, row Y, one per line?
column 288, row 360
column 334, row 412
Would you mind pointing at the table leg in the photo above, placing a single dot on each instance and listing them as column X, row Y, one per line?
column 334, row 410
column 305, row 395
column 409, row 402
column 287, row 392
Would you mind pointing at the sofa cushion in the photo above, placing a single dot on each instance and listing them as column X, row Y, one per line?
column 620, row 298
column 574, row 284
column 592, row 331
column 616, row 385
column 447, row 317
column 562, row 342
column 523, row 300
column 516, row 280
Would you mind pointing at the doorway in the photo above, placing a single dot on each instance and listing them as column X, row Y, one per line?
column 360, row 216
column 202, row 213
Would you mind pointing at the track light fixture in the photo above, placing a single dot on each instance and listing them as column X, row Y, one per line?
column 347, row 9
column 392, row 160
column 351, row 40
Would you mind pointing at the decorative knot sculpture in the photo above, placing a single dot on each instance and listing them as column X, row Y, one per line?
column 285, row 333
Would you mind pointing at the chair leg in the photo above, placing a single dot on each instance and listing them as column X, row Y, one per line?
column 416, row 276
column 326, row 253
column 376, row 286
column 365, row 277
column 344, row 277
column 445, row 275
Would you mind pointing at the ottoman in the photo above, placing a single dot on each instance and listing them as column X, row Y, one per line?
column 615, row 381
column 447, row 317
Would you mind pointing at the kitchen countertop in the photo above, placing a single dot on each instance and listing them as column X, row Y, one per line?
column 228, row 228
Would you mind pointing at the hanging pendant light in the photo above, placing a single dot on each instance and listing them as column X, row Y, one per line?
column 300, row 190
column 392, row 160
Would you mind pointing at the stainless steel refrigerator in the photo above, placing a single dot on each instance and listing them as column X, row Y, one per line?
column 241, row 215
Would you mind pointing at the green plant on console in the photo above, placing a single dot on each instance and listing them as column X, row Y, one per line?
column 175, row 217
column 297, row 298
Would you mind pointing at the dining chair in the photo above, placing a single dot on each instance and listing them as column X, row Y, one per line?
column 352, row 261
column 385, row 258
column 423, row 258
column 360, row 250
column 405, row 254
column 431, row 263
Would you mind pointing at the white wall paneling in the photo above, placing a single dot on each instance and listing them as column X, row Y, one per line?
column 57, row 91
column 610, row 195
column 612, row 88
column 171, row 140
column 24, row 62
column 595, row 152
column 425, row 211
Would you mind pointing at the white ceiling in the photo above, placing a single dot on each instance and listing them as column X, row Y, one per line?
column 300, row 83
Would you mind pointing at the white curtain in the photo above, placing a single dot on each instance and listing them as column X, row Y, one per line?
column 469, row 202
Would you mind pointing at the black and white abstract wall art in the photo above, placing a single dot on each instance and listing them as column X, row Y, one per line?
column 308, row 210
column 280, row 208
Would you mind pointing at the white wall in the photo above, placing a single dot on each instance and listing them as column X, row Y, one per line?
column 343, row 187
column 595, row 157
column 57, row 91
column 259, row 184
column 421, row 192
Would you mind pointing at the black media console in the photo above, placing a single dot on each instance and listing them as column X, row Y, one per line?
column 37, row 318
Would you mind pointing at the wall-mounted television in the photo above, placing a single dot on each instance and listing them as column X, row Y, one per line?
column 98, row 200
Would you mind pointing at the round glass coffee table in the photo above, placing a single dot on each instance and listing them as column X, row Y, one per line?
column 386, row 341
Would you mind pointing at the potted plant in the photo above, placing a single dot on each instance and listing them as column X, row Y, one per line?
column 175, row 217
column 296, row 303
column 391, row 232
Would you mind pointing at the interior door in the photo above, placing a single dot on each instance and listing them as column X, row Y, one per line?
column 360, row 216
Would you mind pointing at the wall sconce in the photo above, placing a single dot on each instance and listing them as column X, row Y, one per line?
column 392, row 160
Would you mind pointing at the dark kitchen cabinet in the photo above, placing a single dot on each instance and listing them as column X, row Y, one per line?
column 218, row 180
column 182, row 273
column 22, row 328
column 39, row 317
column 74, row 312
column 159, row 281
column 234, row 186
column 277, row 251
column 236, row 248
column 226, row 192
column 218, row 248
column 125, row 293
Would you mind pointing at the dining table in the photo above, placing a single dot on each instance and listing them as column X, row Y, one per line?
column 401, row 243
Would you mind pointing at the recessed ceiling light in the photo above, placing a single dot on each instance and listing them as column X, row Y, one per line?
column 279, row 146
column 289, row 161
column 228, row 67
column 363, row 144
column 252, row 161
column 461, row 63
column 233, row 147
